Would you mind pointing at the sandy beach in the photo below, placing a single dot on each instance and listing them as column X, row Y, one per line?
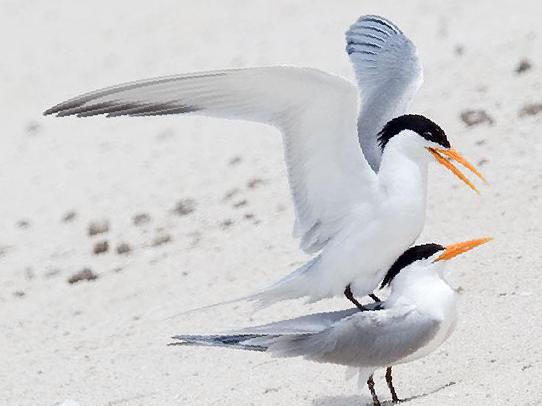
column 160, row 215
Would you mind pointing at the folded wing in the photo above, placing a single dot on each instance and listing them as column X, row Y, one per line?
column 310, row 324
column 389, row 74
column 316, row 113
column 348, row 337
column 375, row 338
column 243, row 339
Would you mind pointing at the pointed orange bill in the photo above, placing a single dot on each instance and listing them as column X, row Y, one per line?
column 453, row 154
column 454, row 250
column 456, row 156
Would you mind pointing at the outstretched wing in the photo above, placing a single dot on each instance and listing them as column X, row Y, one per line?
column 315, row 111
column 389, row 74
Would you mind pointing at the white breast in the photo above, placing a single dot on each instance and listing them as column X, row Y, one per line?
column 440, row 303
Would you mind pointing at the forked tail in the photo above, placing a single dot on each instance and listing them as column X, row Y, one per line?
column 239, row 341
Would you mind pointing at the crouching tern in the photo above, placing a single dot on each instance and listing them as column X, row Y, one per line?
column 417, row 317
column 357, row 169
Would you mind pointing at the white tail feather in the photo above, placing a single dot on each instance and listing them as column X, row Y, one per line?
column 292, row 286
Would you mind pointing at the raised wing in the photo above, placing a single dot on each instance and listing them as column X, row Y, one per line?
column 315, row 111
column 389, row 74
column 371, row 338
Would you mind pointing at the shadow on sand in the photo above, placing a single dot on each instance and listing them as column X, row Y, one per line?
column 366, row 400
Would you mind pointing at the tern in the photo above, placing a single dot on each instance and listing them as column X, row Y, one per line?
column 357, row 165
column 417, row 317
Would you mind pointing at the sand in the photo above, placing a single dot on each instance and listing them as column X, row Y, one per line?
column 213, row 211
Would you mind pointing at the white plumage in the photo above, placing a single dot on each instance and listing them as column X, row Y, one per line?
column 418, row 316
column 356, row 210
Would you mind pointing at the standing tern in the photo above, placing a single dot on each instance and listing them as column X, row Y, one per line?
column 357, row 169
column 418, row 316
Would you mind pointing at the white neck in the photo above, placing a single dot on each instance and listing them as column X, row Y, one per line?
column 425, row 288
column 403, row 170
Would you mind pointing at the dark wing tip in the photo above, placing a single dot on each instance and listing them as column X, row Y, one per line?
column 61, row 109
column 116, row 109
column 369, row 35
column 53, row 110
column 174, row 344
column 372, row 19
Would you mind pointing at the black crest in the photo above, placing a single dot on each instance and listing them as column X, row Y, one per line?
column 414, row 122
column 408, row 257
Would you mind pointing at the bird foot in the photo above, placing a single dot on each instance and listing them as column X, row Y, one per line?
column 350, row 296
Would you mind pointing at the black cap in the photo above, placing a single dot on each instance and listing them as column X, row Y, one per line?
column 411, row 255
column 414, row 122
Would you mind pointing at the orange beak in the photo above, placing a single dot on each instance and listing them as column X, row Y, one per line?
column 454, row 250
column 444, row 157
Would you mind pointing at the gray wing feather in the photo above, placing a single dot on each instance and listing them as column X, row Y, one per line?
column 389, row 74
column 313, row 323
column 315, row 111
column 347, row 337
column 236, row 341
column 379, row 338
column 247, row 338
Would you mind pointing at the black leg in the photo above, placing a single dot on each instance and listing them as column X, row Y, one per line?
column 374, row 297
column 350, row 296
column 371, row 385
column 389, row 381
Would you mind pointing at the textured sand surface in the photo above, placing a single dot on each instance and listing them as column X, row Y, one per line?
column 103, row 342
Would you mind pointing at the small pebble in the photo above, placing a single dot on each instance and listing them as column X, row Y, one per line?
column 235, row 161
column 123, row 248
column 32, row 128
column 226, row 224
column 476, row 117
column 255, row 182
column 241, row 203
column 523, row 66
column 83, row 275
column 98, row 227
column 184, row 207
column 141, row 218
column 161, row 239
column 19, row 293
column 69, row 216
column 23, row 223
column 231, row 193
column 530, row 109
column 100, row 247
